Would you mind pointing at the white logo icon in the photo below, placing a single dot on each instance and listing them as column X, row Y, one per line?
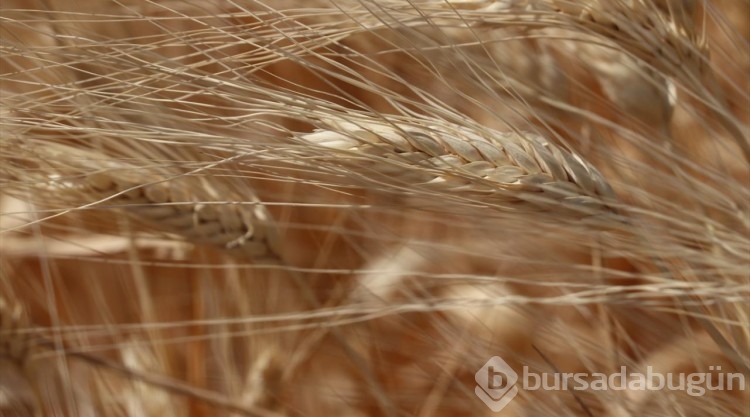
column 496, row 384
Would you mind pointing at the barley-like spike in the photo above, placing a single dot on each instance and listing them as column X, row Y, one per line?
column 183, row 205
column 510, row 164
column 165, row 205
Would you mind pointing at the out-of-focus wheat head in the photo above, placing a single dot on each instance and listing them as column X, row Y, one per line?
column 312, row 208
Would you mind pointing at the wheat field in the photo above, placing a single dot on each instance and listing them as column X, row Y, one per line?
column 347, row 207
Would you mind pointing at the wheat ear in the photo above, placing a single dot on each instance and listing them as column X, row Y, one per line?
column 497, row 168
column 189, row 204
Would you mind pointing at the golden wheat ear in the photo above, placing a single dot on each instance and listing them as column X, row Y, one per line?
column 494, row 168
column 193, row 208
column 188, row 204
